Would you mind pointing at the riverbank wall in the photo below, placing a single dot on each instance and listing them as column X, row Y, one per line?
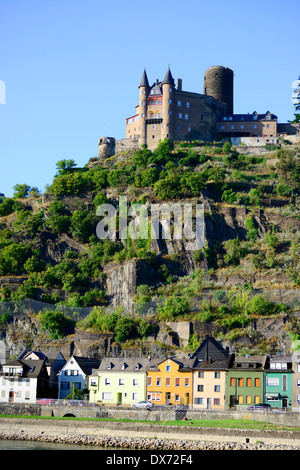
column 144, row 436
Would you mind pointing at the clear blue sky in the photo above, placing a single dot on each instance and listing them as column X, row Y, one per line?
column 72, row 69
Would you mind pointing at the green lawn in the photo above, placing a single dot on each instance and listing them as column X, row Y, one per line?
column 208, row 423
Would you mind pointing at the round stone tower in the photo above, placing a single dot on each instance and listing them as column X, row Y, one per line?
column 106, row 147
column 218, row 82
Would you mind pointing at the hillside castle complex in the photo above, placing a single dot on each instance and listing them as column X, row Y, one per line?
column 165, row 110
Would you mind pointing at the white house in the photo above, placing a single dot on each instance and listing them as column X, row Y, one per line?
column 74, row 374
column 23, row 381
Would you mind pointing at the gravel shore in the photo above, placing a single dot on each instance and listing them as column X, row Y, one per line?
column 142, row 443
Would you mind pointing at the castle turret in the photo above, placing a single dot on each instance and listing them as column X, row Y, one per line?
column 144, row 91
column 168, row 101
column 218, row 82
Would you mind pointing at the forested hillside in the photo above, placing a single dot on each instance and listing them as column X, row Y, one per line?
column 248, row 270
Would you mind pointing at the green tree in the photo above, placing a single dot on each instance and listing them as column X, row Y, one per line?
column 54, row 322
column 21, row 190
column 174, row 306
column 64, row 167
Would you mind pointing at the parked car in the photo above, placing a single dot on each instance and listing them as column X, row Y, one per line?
column 45, row 401
column 142, row 404
column 259, row 406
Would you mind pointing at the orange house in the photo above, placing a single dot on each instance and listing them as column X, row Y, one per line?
column 169, row 381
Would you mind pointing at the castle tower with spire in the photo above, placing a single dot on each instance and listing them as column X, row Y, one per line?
column 167, row 111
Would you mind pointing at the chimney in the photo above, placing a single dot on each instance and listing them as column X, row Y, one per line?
column 179, row 84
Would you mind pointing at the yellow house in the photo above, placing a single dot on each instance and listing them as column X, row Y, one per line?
column 169, row 381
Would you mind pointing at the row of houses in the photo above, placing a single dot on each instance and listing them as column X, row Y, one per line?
column 211, row 378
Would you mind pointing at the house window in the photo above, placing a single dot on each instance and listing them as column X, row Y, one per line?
column 201, row 374
column 217, row 402
column 168, row 368
column 135, row 382
column 240, row 382
column 186, row 381
column 217, row 375
column 168, row 381
column 248, row 382
column 158, row 381
column 200, row 388
column 199, row 401
column 107, row 381
column 121, row 382
column 217, row 388
column 135, row 397
column 240, row 399
column 177, row 398
column 232, row 382
column 65, row 385
column 107, row 396
column 177, row 382
column 256, row 382
column 248, row 399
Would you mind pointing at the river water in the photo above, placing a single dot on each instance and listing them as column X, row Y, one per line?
column 8, row 444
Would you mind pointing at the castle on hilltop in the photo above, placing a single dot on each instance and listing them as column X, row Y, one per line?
column 165, row 110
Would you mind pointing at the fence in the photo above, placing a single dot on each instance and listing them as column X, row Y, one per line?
column 289, row 297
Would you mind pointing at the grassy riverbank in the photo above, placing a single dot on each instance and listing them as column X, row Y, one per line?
column 204, row 423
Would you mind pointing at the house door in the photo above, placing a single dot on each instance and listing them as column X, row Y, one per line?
column 168, row 397
column 186, row 399
column 119, row 398
column 232, row 401
column 284, row 403
column 11, row 397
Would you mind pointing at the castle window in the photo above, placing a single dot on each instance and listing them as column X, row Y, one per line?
column 222, row 127
column 242, row 126
column 179, row 128
column 189, row 129
column 169, row 112
column 230, row 118
column 179, row 103
column 232, row 127
column 188, row 105
column 180, row 115
column 186, row 116
column 170, row 101
column 170, row 90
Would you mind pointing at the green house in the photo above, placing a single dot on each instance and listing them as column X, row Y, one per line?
column 245, row 382
column 278, row 382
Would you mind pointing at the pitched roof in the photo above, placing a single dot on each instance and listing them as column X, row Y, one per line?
column 168, row 78
column 210, row 349
column 144, row 81
column 118, row 364
column 31, row 368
